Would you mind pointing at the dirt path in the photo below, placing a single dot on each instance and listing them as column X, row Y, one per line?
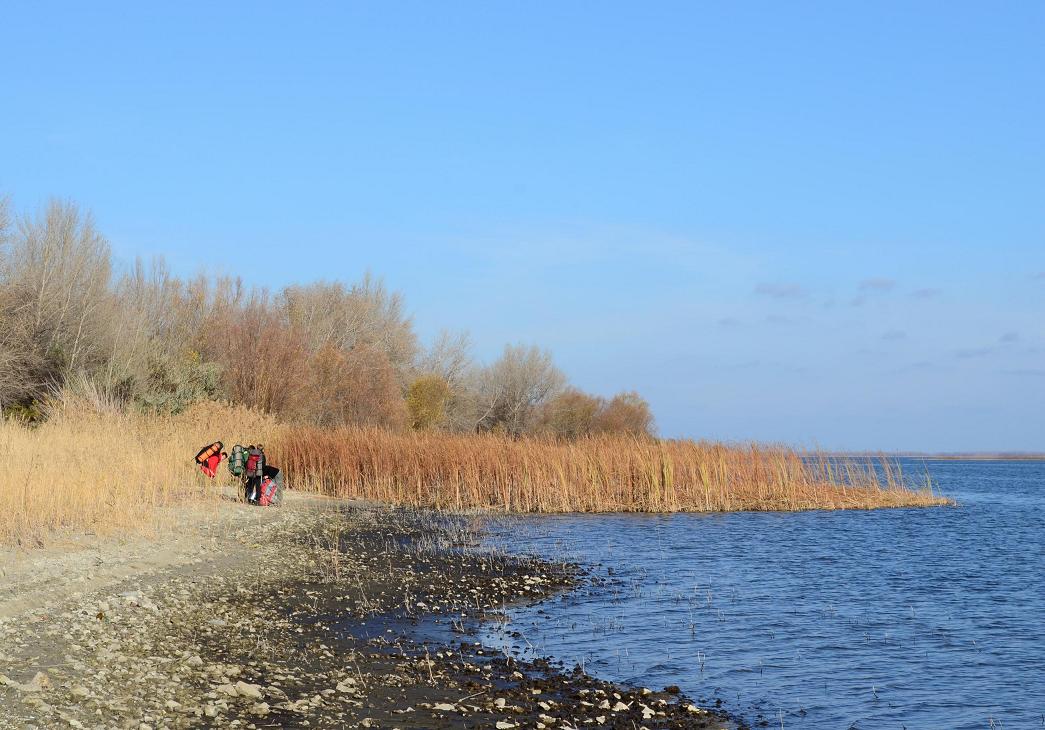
column 203, row 539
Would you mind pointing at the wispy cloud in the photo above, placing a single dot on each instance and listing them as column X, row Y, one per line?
column 1040, row 276
column 925, row 293
column 730, row 322
column 914, row 367
column 1027, row 372
column 1009, row 338
column 771, row 366
column 781, row 291
column 777, row 319
column 893, row 335
column 972, row 352
column 877, row 284
column 871, row 287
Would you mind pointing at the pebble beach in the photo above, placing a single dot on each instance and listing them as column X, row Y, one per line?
column 321, row 614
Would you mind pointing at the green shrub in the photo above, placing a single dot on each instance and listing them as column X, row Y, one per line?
column 426, row 400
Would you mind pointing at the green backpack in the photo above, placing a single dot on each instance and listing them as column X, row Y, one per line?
column 238, row 460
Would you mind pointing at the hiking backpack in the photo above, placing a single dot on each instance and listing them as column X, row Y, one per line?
column 208, row 451
column 269, row 494
column 238, row 460
column 255, row 463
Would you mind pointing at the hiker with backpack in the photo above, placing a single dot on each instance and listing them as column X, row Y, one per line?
column 262, row 482
column 210, row 457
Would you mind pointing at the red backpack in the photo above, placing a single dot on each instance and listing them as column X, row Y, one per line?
column 267, row 493
column 255, row 463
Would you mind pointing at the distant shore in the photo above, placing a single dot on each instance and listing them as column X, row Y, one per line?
column 959, row 456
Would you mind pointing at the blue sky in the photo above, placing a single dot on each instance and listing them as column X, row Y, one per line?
column 816, row 223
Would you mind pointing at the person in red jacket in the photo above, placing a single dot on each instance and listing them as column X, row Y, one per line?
column 211, row 463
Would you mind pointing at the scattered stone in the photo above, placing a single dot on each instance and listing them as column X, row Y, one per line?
column 38, row 683
column 250, row 691
column 259, row 708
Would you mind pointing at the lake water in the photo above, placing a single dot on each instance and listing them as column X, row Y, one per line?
column 914, row 618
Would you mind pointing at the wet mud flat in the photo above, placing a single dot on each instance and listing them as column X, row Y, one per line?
column 359, row 618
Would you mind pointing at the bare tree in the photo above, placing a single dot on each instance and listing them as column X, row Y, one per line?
column 145, row 318
column 56, row 276
column 16, row 350
column 627, row 413
column 510, row 392
column 449, row 357
column 264, row 362
column 571, row 414
column 449, row 360
column 365, row 314
column 5, row 221
column 358, row 386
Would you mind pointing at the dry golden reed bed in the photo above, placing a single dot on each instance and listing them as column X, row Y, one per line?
column 598, row 474
column 85, row 471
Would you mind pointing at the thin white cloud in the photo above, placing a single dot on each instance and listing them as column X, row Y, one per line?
column 914, row 367
column 1027, row 372
column 781, row 291
column 877, row 284
column 973, row 352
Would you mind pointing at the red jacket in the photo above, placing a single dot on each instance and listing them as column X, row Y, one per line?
column 210, row 466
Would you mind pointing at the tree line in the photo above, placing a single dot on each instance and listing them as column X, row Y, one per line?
column 325, row 353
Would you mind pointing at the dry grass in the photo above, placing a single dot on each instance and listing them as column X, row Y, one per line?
column 598, row 474
column 86, row 471
column 90, row 471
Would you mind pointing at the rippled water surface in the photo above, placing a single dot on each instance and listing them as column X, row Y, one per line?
column 931, row 618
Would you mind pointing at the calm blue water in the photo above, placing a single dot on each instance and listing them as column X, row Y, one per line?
column 931, row 618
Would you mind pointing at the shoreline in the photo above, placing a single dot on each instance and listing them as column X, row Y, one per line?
column 320, row 614
column 987, row 456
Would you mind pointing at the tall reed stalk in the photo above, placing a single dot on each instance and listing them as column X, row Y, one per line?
column 596, row 474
